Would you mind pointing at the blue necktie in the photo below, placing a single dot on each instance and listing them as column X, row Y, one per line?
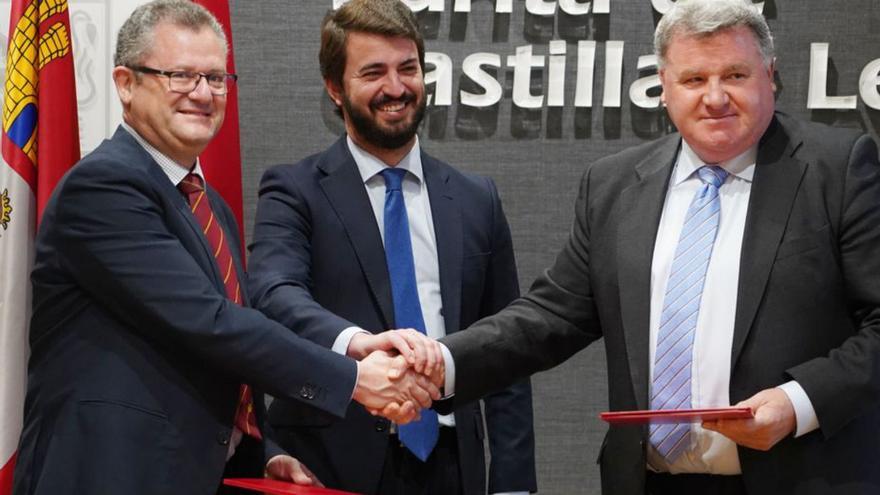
column 420, row 436
column 671, row 388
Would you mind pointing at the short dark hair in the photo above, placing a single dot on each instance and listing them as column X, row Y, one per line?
column 383, row 17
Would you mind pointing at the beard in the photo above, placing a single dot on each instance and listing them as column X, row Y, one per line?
column 386, row 137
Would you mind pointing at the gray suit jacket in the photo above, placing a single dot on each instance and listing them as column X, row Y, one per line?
column 808, row 305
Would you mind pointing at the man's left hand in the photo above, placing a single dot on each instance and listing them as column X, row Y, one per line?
column 287, row 468
column 774, row 420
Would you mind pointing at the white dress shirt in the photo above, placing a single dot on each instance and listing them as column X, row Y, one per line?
column 175, row 171
column 710, row 452
column 421, row 229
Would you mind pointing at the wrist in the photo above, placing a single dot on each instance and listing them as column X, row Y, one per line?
column 357, row 393
column 358, row 346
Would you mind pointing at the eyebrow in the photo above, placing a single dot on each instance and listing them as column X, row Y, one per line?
column 375, row 65
column 730, row 68
column 381, row 65
column 190, row 68
column 739, row 67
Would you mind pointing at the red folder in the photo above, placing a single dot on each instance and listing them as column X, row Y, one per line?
column 675, row 415
column 275, row 487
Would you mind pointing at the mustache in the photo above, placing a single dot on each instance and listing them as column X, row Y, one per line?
column 407, row 97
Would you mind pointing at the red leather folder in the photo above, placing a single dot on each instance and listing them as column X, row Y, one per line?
column 275, row 487
column 675, row 415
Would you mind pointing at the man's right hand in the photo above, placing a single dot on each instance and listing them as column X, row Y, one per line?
column 421, row 352
column 387, row 385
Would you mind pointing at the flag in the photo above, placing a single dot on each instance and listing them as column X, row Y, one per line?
column 40, row 142
column 221, row 160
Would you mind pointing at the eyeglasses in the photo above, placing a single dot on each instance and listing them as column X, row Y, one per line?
column 181, row 81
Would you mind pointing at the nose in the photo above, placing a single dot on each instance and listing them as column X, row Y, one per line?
column 716, row 96
column 202, row 92
column 394, row 86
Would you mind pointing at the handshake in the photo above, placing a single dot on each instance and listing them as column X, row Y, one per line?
column 400, row 372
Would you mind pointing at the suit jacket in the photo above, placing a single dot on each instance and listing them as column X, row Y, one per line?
column 136, row 354
column 318, row 266
column 807, row 305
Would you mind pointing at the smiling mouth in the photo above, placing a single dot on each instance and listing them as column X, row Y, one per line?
column 195, row 113
column 716, row 118
column 395, row 106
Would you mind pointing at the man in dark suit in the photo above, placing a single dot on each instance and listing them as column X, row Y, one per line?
column 146, row 369
column 319, row 266
column 734, row 262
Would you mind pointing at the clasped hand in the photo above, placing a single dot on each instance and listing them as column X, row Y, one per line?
column 400, row 372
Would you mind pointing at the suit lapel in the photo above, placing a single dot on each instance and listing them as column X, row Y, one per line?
column 175, row 198
column 777, row 178
column 641, row 205
column 344, row 190
column 446, row 213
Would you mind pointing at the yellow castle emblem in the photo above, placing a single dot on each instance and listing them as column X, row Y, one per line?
column 24, row 60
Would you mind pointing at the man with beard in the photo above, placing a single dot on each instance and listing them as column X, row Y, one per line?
column 374, row 234
column 147, row 368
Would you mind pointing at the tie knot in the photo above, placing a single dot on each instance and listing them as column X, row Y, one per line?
column 393, row 178
column 712, row 174
column 191, row 183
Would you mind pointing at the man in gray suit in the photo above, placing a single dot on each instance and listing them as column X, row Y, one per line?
column 733, row 262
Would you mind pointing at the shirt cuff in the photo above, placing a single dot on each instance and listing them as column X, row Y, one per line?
column 340, row 345
column 804, row 414
column 449, row 382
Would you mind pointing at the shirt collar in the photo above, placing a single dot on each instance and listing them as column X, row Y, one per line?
column 175, row 171
column 741, row 166
column 369, row 166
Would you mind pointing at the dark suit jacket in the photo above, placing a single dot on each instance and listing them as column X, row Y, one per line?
column 807, row 305
column 136, row 354
column 317, row 265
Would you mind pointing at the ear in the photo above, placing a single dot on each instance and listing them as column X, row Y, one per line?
column 771, row 73
column 124, row 79
column 334, row 91
column 662, row 74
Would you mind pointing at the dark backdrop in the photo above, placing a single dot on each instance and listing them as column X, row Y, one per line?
column 535, row 155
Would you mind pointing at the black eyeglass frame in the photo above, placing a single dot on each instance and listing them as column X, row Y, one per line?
column 228, row 78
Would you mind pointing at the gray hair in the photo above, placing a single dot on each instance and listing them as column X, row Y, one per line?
column 135, row 37
column 702, row 18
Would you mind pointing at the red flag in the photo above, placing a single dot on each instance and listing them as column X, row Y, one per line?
column 40, row 142
column 221, row 160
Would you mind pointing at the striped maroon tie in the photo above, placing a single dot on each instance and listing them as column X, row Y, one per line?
column 194, row 189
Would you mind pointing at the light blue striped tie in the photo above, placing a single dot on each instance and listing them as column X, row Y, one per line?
column 671, row 388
